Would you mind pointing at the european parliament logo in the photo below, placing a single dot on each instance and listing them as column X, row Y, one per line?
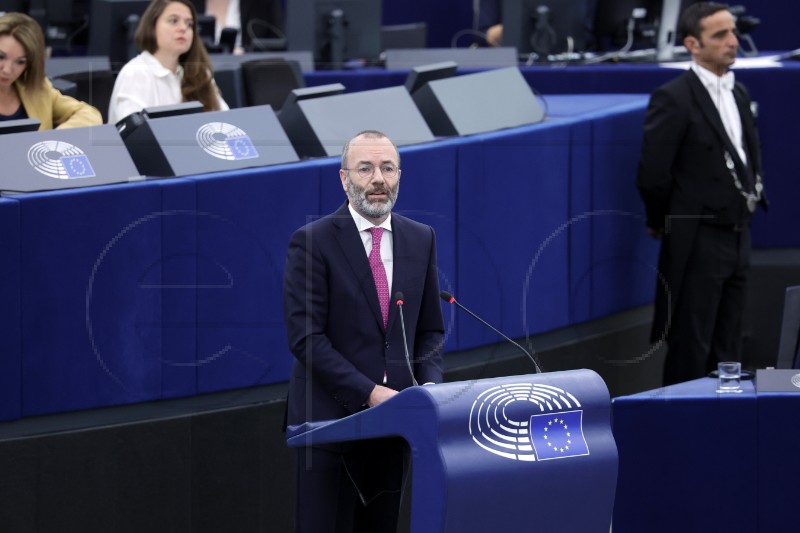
column 225, row 141
column 528, row 422
column 60, row 160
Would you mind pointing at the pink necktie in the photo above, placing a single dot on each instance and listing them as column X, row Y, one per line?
column 379, row 273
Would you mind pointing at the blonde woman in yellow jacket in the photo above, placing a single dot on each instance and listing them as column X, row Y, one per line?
column 25, row 91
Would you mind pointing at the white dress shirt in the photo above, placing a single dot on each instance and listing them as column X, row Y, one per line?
column 145, row 82
column 387, row 250
column 720, row 88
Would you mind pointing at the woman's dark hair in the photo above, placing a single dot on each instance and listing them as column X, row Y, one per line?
column 197, row 81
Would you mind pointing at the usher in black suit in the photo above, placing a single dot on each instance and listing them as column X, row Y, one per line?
column 690, row 195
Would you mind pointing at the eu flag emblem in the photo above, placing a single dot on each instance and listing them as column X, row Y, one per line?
column 77, row 166
column 558, row 435
column 242, row 148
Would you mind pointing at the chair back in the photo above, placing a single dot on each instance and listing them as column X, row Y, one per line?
column 93, row 87
column 414, row 35
column 269, row 81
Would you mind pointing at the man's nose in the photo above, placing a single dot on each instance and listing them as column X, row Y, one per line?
column 377, row 176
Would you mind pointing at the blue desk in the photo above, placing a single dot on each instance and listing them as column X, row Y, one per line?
column 694, row 461
column 171, row 288
column 773, row 88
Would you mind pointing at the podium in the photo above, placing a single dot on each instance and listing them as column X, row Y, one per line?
column 521, row 453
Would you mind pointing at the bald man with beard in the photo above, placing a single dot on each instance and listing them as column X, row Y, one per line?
column 341, row 271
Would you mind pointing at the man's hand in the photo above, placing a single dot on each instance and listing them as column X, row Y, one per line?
column 494, row 35
column 379, row 395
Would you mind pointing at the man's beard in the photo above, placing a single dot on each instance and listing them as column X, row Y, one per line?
column 358, row 199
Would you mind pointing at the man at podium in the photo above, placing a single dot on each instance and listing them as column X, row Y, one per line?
column 356, row 284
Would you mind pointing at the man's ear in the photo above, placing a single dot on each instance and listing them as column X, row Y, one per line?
column 343, row 178
column 692, row 44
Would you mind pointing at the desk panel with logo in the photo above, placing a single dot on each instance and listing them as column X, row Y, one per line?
column 64, row 159
column 209, row 142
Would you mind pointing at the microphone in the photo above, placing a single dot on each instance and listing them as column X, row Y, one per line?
column 449, row 298
column 398, row 297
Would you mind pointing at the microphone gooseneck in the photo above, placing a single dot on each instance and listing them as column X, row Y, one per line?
column 399, row 301
column 449, row 298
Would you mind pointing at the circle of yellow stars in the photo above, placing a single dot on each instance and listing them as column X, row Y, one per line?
column 558, row 422
column 77, row 166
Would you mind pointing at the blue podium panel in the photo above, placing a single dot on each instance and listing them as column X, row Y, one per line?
column 513, row 200
column 64, row 159
column 244, row 223
column 10, row 338
column 688, row 460
column 89, row 259
column 778, row 461
column 520, row 453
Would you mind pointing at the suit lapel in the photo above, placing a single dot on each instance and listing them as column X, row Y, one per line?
column 748, row 126
column 353, row 250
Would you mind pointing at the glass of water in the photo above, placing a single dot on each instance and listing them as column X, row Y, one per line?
column 730, row 375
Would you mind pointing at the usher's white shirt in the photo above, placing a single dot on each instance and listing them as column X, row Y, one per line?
column 145, row 82
column 720, row 88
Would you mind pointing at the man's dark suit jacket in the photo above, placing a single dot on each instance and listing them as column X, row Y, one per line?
column 683, row 177
column 334, row 323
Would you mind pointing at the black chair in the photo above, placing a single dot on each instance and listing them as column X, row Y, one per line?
column 789, row 347
column 93, row 87
column 269, row 81
column 206, row 30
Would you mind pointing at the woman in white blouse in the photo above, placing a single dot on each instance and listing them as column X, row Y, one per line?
column 173, row 67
